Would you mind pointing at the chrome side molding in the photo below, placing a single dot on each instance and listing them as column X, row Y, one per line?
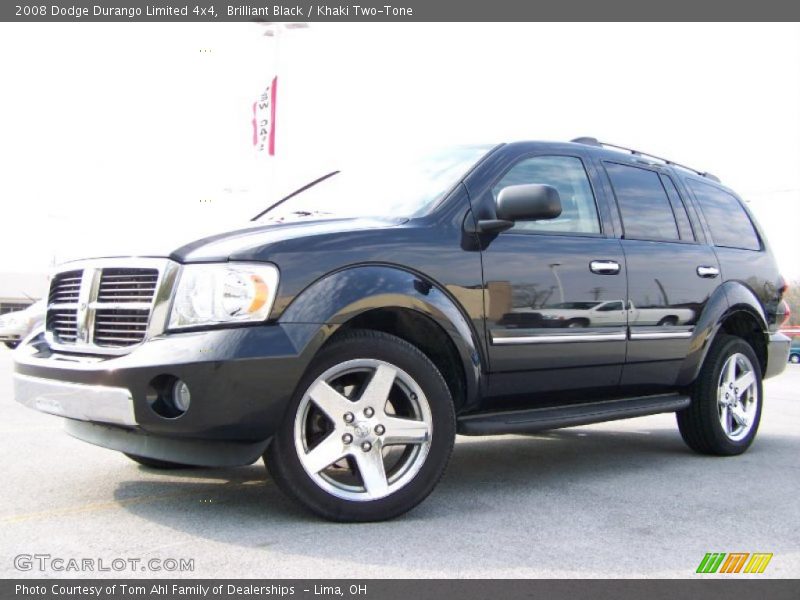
column 550, row 339
column 620, row 336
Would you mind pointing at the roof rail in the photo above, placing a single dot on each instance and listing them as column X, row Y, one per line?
column 590, row 141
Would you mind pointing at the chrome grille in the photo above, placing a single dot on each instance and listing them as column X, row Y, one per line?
column 105, row 307
column 65, row 287
column 127, row 285
column 64, row 324
column 120, row 327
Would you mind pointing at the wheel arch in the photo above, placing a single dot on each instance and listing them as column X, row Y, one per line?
column 398, row 301
column 732, row 309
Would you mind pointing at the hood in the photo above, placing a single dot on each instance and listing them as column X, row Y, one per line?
column 227, row 245
column 204, row 242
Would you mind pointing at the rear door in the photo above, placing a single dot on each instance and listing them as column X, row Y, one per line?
column 672, row 271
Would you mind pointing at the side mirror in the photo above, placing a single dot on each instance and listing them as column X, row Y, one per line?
column 530, row 202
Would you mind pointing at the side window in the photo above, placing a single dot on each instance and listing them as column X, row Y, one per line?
column 729, row 223
column 610, row 306
column 643, row 203
column 568, row 176
column 678, row 208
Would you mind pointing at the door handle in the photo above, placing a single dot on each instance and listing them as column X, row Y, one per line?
column 604, row 267
column 707, row 272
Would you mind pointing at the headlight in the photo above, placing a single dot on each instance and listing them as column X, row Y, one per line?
column 223, row 293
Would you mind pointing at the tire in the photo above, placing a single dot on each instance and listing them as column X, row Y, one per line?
column 154, row 463
column 370, row 391
column 794, row 359
column 577, row 323
column 668, row 322
column 715, row 402
column 11, row 345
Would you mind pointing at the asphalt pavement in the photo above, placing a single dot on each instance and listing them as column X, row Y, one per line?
column 622, row 499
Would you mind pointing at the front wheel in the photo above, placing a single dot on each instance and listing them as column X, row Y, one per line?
column 725, row 410
column 794, row 359
column 369, row 432
column 11, row 345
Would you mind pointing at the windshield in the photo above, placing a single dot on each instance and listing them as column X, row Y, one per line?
column 383, row 188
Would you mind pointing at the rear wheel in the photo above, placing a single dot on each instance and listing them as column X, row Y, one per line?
column 725, row 411
column 369, row 431
column 11, row 345
column 794, row 359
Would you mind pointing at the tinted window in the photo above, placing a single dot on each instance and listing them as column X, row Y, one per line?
column 567, row 175
column 678, row 209
column 730, row 226
column 643, row 202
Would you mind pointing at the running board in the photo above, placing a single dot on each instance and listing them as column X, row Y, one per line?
column 555, row 417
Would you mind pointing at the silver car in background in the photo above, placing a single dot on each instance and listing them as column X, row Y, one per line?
column 15, row 326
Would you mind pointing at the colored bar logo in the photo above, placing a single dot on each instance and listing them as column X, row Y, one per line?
column 734, row 562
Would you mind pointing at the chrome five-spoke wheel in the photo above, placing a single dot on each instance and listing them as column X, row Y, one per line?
column 726, row 399
column 363, row 429
column 369, row 431
column 737, row 396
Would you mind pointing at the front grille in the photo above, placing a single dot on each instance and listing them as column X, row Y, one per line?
column 65, row 287
column 64, row 324
column 102, row 307
column 127, row 285
column 120, row 327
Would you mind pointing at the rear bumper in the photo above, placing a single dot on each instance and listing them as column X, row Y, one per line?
column 777, row 354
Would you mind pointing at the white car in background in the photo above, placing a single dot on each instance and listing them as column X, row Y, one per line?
column 584, row 314
column 15, row 326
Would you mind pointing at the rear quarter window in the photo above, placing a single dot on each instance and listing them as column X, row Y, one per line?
column 727, row 219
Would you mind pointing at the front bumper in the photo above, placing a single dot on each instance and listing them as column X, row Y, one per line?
column 96, row 403
column 241, row 380
column 777, row 354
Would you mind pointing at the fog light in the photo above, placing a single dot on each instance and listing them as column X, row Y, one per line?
column 181, row 397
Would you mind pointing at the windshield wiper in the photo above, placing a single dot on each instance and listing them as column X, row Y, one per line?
column 299, row 190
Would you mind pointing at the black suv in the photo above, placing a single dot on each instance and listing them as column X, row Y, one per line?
column 492, row 290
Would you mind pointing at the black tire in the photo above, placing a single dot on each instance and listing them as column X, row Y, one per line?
column 668, row 321
column 154, row 463
column 283, row 460
column 699, row 423
column 794, row 359
column 11, row 345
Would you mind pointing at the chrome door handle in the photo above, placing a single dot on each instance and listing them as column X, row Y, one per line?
column 707, row 272
column 604, row 267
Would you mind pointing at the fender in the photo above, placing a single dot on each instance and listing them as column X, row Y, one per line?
column 727, row 299
column 342, row 295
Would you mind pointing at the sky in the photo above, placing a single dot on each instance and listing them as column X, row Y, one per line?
column 125, row 134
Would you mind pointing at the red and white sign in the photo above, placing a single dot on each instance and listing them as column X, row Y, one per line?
column 264, row 119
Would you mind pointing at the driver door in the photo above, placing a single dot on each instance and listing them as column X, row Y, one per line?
column 555, row 290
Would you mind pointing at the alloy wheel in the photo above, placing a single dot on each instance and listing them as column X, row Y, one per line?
column 737, row 396
column 363, row 429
